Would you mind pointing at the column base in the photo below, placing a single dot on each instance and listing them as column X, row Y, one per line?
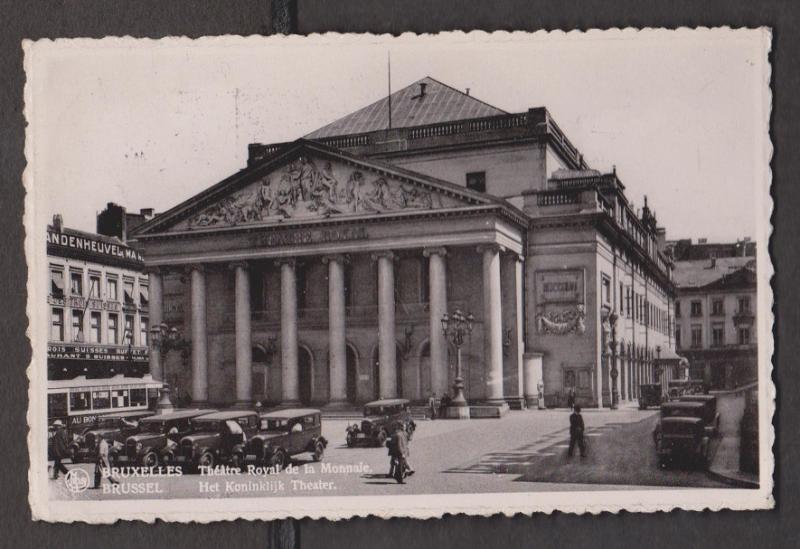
column 339, row 405
column 244, row 405
column 457, row 412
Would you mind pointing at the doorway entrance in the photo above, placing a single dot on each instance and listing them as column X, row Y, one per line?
column 304, row 362
column 352, row 375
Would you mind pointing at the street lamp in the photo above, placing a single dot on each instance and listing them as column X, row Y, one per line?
column 612, row 321
column 164, row 339
column 455, row 327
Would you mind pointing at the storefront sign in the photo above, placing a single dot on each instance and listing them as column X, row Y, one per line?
column 311, row 236
column 77, row 302
column 96, row 352
column 93, row 246
column 559, row 287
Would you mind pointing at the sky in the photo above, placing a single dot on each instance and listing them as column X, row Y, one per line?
column 147, row 123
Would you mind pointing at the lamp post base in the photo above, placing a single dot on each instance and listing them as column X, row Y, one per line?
column 164, row 404
column 457, row 412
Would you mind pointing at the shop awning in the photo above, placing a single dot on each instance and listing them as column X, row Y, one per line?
column 669, row 357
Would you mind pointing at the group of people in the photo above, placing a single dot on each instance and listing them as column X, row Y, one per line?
column 61, row 451
column 438, row 407
column 397, row 443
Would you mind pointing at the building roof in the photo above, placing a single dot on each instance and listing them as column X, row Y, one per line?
column 703, row 272
column 179, row 414
column 227, row 414
column 288, row 413
column 410, row 107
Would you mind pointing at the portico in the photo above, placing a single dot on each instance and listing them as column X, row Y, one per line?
column 340, row 269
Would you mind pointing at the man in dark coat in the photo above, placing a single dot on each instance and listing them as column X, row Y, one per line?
column 576, row 432
column 398, row 453
column 60, row 448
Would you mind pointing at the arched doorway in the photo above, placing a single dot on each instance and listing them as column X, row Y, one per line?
column 304, row 365
column 376, row 377
column 352, row 374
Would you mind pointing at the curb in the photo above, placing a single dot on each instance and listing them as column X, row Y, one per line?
column 732, row 480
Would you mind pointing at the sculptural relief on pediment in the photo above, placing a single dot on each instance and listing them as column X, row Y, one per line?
column 308, row 187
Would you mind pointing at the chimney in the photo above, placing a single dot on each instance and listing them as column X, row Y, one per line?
column 422, row 86
column 146, row 212
column 58, row 222
column 702, row 241
column 467, row 92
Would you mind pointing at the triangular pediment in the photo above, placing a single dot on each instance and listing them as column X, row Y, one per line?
column 308, row 181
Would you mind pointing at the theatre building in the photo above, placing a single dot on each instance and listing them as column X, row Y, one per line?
column 320, row 272
column 97, row 349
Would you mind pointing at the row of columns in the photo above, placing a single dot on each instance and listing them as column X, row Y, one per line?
column 437, row 273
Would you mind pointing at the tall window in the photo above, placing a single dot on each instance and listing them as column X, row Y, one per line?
column 677, row 337
column 300, row 278
column 744, row 335
column 128, row 336
column 716, row 308
column 111, row 289
column 57, row 325
column 76, row 283
column 697, row 308
column 113, row 329
column 717, row 334
column 744, row 304
column 77, row 326
column 57, row 282
column 697, row 335
column 621, row 299
column 127, row 288
column 476, row 181
column 677, row 309
column 628, row 301
column 258, row 293
column 94, row 286
column 144, row 294
column 95, row 327
column 606, row 289
column 144, row 336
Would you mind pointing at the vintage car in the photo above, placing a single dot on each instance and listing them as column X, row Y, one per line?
column 379, row 417
column 286, row 433
column 678, row 409
column 115, row 428
column 217, row 439
column 710, row 414
column 683, row 439
column 649, row 395
column 681, row 387
column 157, row 439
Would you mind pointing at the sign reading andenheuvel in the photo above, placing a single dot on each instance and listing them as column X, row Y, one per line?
column 69, row 244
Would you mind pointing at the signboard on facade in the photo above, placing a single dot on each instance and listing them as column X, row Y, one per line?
column 78, row 302
column 565, row 286
column 66, row 244
column 96, row 352
column 311, row 236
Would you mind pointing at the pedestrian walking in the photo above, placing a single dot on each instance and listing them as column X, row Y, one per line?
column 443, row 404
column 399, row 466
column 102, row 465
column 60, row 448
column 571, row 398
column 576, row 432
column 432, row 405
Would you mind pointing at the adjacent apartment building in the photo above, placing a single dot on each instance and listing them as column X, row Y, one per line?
column 97, row 350
column 715, row 310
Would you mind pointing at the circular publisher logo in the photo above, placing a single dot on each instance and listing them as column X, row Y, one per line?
column 77, row 480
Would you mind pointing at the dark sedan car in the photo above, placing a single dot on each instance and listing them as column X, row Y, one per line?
column 379, row 417
column 286, row 433
column 683, row 439
column 158, row 437
column 115, row 428
column 218, row 438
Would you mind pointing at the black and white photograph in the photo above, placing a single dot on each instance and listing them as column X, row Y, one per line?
column 347, row 275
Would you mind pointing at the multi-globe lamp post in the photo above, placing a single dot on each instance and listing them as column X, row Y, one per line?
column 163, row 339
column 455, row 327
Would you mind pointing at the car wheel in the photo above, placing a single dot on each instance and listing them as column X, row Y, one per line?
column 206, row 460
column 237, row 461
column 381, row 438
column 278, row 461
column 319, row 451
column 150, row 459
column 349, row 440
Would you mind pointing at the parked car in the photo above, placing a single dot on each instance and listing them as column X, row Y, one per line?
column 710, row 414
column 683, row 439
column 218, row 438
column 157, row 439
column 681, row 387
column 286, row 433
column 678, row 409
column 114, row 427
column 649, row 395
column 379, row 416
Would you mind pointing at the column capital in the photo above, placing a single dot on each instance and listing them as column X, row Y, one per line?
column 338, row 258
column 285, row 261
column 389, row 254
column 153, row 270
column 438, row 250
column 514, row 256
column 490, row 247
column 199, row 267
column 233, row 265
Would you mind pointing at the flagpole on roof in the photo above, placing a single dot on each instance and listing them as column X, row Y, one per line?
column 389, row 65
